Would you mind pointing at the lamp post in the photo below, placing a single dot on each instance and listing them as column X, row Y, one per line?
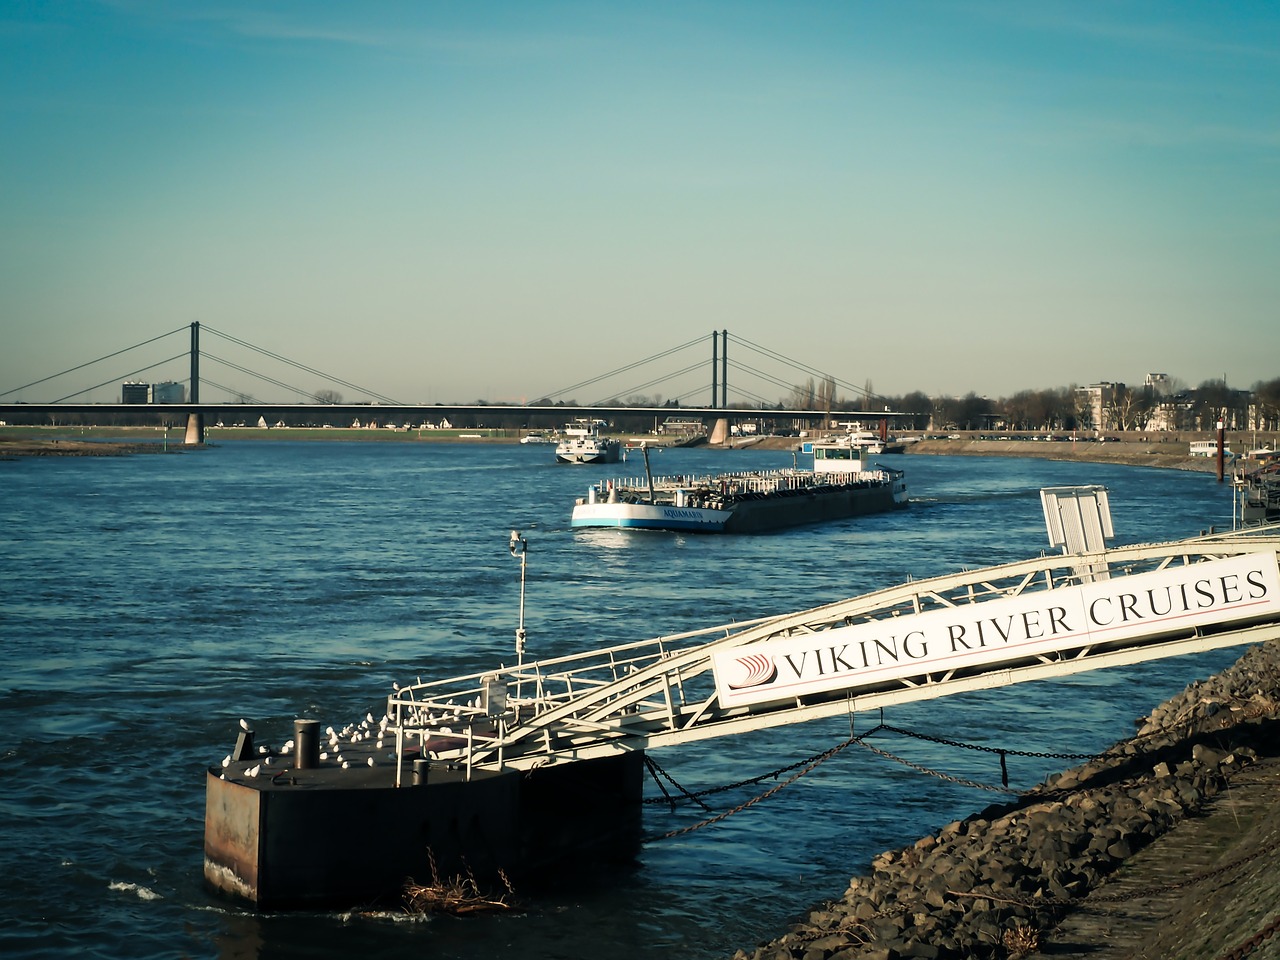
column 519, row 547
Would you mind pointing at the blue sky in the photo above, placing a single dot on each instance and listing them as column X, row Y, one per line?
column 493, row 201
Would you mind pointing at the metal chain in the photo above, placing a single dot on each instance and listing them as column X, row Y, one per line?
column 826, row 755
column 655, row 770
column 1246, row 948
column 750, row 781
column 1000, row 750
column 936, row 773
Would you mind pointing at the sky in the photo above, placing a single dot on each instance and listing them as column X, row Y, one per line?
column 495, row 201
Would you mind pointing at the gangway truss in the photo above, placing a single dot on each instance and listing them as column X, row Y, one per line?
column 1040, row 618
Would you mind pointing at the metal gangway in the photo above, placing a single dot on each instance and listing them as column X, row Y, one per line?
column 665, row 691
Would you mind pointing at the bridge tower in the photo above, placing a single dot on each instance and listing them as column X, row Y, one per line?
column 715, row 365
column 195, row 419
column 724, row 371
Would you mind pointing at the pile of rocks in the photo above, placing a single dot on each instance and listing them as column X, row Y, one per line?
column 990, row 885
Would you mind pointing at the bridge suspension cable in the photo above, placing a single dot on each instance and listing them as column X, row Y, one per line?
column 230, row 391
column 662, row 379
column 254, row 373
column 36, row 383
column 629, row 366
column 866, row 395
column 131, row 373
column 300, row 366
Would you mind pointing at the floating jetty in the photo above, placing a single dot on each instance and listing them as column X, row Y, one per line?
column 536, row 771
column 307, row 833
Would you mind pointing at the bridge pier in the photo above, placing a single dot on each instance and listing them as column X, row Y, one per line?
column 195, row 429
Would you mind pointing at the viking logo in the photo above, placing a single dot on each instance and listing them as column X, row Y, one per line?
column 758, row 669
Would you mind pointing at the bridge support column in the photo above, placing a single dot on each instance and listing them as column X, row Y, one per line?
column 195, row 429
column 720, row 433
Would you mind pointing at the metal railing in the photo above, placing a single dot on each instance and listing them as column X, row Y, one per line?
column 662, row 691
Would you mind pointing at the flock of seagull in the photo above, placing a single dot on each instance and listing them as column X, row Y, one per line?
column 366, row 730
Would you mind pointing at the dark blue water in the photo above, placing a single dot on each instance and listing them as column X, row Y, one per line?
column 148, row 603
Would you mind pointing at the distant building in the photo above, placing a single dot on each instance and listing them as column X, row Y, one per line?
column 683, row 426
column 132, row 392
column 1097, row 401
column 168, row 392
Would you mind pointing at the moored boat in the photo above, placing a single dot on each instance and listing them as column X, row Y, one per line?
column 584, row 443
column 838, row 487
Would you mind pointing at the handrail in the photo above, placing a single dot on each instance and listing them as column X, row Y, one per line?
column 642, row 694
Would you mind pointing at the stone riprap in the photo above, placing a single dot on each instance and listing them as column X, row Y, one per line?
column 996, row 884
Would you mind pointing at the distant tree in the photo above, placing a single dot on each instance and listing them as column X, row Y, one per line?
column 328, row 396
column 919, row 409
column 1017, row 410
column 1212, row 399
column 1266, row 396
column 975, row 412
column 804, row 396
column 1130, row 409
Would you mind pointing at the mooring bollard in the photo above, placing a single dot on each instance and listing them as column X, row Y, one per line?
column 306, row 744
column 420, row 768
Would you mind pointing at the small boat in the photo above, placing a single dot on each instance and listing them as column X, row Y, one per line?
column 535, row 437
column 838, row 487
column 583, row 443
column 1257, row 488
column 868, row 442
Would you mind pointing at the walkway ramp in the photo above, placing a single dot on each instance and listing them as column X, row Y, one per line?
column 1040, row 618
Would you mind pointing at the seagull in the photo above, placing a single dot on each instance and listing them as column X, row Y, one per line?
column 345, row 765
column 371, row 761
column 244, row 724
column 253, row 771
column 226, row 761
column 324, row 754
column 368, row 718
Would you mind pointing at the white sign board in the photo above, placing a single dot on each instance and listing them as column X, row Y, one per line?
column 1177, row 598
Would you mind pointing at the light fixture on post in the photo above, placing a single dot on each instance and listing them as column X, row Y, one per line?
column 520, row 548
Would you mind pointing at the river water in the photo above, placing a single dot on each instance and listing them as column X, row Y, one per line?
column 150, row 602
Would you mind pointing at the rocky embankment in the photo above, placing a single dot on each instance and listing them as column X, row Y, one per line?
column 1039, row 876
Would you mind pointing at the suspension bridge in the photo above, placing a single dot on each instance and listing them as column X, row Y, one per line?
column 521, row 767
column 194, row 388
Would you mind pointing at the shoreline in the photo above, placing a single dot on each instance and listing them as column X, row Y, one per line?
column 1140, row 451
